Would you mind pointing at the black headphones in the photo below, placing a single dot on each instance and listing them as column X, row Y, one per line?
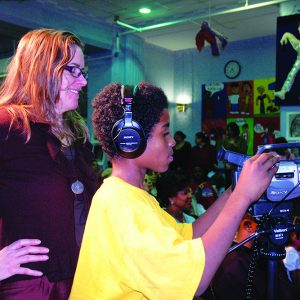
column 127, row 134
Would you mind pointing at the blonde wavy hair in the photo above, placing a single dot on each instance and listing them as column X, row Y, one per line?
column 31, row 87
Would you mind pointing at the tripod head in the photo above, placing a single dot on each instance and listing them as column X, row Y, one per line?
column 273, row 234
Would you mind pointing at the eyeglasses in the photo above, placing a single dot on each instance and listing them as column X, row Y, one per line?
column 76, row 71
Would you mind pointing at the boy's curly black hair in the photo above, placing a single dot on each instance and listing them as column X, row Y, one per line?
column 149, row 103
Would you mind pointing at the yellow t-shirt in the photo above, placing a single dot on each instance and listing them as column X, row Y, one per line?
column 133, row 249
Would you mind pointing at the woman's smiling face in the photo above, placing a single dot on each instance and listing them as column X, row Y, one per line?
column 70, row 85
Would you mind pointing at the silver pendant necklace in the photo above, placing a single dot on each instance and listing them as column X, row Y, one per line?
column 77, row 187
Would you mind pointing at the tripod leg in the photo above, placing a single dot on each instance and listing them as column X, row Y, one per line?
column 272, row 286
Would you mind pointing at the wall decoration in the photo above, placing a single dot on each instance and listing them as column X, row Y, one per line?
column 214, row 100
column 207, row 125
column 288, row 60
column 215, row 129
column 232, row 69
column 207, row 34
column 247, row 134
column 240, row 99
column 248, row 102
column 266, row 129
column 264, row 100
column 292, row 126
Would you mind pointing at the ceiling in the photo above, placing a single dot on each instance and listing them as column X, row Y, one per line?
column 186, row 14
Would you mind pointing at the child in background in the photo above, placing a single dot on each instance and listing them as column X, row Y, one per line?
column 150, row 182
column 205, row 194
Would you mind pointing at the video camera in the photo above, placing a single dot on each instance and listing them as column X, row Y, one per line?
column 284, row 187
column 273, row 212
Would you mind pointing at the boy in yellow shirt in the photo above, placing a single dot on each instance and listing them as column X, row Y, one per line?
column 132, row 249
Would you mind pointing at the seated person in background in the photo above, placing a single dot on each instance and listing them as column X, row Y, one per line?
column 203, row 154
column 174, row 194
column 181, row 153
column 197, row 208
column 217, row 179
column 233, row 142
column 150, row 182
column 205, row 193
column 131, row 247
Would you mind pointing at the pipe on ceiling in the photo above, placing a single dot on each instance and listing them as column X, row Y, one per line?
column 217, row 13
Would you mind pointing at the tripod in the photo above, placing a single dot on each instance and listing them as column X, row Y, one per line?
column 274, row 233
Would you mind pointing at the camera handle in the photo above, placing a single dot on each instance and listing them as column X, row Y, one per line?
column 272, row 263
column 262, row 148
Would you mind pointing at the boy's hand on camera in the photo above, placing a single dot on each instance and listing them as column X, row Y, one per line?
column 256, row 176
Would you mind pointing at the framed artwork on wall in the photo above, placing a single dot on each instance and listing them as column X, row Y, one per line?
column 287, row 88
column 214, row 101
column 264, row 100
column 292, row 126
column 239, row 99
column 249, row 132
column 266, row 129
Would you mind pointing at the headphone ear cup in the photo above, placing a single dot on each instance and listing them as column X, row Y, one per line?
column 129, row 141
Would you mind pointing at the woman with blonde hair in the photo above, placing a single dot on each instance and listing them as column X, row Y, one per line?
column 46, row 178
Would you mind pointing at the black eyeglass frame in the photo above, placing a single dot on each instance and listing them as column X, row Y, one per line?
column 80, row 72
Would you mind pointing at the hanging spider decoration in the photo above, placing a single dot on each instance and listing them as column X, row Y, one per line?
column 209, row 35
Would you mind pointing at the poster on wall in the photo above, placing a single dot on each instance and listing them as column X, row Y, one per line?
column 287, row 90
column 214, row 101
column 240, row 99
column 215, row 128
column 266, row 129
column 293, row 126
column 264, row 99
column 250, row 102
column 245, row 131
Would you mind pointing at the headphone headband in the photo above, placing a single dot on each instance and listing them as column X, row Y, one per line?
column 128, row 92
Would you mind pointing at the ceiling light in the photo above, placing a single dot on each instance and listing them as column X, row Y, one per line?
column 145, row 10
